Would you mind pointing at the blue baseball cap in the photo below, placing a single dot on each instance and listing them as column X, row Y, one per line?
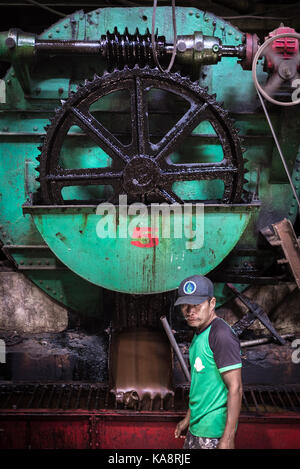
column 194, row 290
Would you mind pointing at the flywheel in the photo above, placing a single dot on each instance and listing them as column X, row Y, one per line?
column 140, row 167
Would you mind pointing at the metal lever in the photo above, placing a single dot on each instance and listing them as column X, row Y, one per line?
column 175, row 347
column 255, row 312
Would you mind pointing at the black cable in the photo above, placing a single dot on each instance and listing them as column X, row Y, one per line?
column 154, row 51
column 33, row 2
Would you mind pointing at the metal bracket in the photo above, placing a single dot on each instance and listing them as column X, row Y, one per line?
column 255, row 312
column 283, row 236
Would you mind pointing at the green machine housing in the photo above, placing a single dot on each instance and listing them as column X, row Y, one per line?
column 131, row 131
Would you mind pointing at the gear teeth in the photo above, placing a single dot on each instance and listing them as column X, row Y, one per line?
column 40, row 147
column 46, row 127
column 38, row 158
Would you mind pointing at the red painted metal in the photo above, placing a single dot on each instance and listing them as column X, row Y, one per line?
column 130, row 430
column 286, row 47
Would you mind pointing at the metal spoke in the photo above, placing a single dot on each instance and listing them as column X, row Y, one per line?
column 139, row 116
column 101, row 136
column 169, row 195
column 180, row 131
column 201, row 171
column 76, row 176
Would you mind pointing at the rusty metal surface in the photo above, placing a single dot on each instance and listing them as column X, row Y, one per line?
column 283, row 236
column 82, row 416
column 71, row 396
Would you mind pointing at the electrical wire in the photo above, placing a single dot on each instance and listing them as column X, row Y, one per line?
column 154, row 51
column 33, row 2
column 241, row 17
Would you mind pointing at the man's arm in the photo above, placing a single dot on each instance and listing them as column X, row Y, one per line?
column 182, row 425
column 233, row 382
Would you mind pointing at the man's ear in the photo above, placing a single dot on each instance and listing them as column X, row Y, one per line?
column 212, row 303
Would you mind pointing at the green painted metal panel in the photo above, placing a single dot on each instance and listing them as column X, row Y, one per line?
column 22, row 121
column 127, row 263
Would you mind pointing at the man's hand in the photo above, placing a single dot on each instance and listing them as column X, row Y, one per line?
column 226, row 443
column 182, row 425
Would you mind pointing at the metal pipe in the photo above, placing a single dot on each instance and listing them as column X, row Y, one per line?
column 175, row 347
column 67, row 47
column 266, row 340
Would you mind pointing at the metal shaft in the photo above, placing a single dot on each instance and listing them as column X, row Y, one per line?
column 175, row 347
column 265, row 340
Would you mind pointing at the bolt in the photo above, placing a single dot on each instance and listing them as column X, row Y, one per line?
column 190, row 13
column 206, row 19
column 181, row 46
column 215, row 48
column 60, row 90
column 65, row 25
column 35, row 129
column 230, row 33
column 50, row 35
column 197, row 15
column 57, row 30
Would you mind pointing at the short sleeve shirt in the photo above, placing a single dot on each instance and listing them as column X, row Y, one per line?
column 213, row 351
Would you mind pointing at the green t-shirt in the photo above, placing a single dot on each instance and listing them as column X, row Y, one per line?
column 213, row 351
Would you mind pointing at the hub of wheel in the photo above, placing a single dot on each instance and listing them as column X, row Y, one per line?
column 141, row 175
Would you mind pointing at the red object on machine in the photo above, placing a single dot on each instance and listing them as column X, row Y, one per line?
column 285, row 47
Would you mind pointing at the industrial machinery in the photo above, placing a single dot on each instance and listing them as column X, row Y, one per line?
column 101, row 143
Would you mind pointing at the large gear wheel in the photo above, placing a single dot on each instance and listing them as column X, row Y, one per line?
column 141, row 169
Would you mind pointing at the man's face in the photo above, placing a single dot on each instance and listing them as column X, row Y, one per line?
column 199, row 315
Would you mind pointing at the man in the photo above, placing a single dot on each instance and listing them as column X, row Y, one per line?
column 215, row 358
